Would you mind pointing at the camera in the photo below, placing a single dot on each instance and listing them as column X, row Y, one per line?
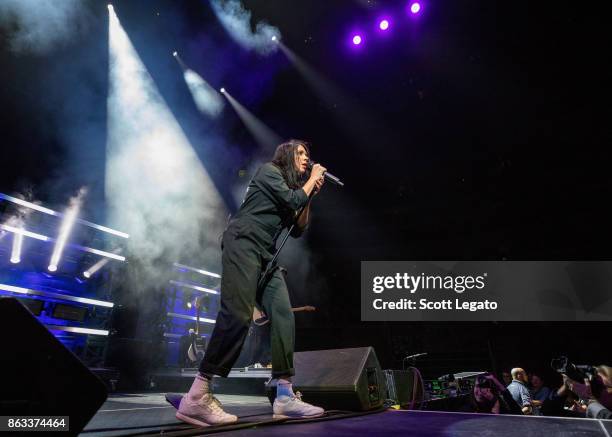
column 579, row 373
column 483, row 382
column 576, row 372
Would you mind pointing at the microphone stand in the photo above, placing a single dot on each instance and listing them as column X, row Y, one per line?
column 263, row 280
column 270, row 267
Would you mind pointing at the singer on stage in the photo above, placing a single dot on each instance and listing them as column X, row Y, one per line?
column 277, row 192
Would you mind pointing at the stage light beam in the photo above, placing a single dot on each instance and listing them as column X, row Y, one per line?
column 67, row 224
column 97, row 266
column 265, row 137
column 93, row 269
column 16, row 252
column 205, row 97
column 148, row 156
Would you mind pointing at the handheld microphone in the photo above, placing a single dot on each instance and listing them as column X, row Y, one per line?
column 328, row 176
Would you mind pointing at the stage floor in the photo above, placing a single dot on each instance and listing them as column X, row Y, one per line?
column 133, row 414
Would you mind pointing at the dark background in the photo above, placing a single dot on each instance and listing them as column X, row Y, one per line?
column 478, row 132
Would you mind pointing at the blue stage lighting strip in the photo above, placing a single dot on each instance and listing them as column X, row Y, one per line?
column 193, row 287
column 193, row 269
column 171, row 335
column 49, row 239
column 66, row 297
column 186, row 317
column 98, row 252
column 59, row 214
column 25, row 233
column 78, row 330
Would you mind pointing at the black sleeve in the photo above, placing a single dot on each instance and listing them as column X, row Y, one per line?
column 270, row 180
column 510, row 403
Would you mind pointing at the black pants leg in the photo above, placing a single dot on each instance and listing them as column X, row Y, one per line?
column 241, row 267
column 282, row 324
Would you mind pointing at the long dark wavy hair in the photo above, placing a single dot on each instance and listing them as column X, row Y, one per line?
column 284, row 159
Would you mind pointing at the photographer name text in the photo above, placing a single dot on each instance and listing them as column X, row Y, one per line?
column 425, row 304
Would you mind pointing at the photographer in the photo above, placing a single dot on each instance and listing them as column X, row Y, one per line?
column 597, row 391
column 491, row 397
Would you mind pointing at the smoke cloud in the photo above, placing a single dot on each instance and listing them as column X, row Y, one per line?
column 40, row 25
column 237, row 22
column 156, row 187
column 206, row 98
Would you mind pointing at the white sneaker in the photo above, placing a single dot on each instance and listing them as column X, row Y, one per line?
column 199, row 407
column 292, row 407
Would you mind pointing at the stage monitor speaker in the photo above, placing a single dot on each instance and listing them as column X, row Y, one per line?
column 338, row 379
column 40, row 377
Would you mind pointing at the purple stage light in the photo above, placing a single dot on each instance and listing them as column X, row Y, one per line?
column 415, row 7
column 357, row 39
column 383, row 25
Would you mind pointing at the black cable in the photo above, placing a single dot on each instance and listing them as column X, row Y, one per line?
column 193, row 431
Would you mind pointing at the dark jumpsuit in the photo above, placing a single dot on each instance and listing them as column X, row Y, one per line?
column 248, row 245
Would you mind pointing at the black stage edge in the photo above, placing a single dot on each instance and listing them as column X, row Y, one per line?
column 149, row 414
column 240, row 381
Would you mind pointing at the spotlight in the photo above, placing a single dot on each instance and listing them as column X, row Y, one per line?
column 222, row 90
column 415, row 7
column 187, row 300
column 383, row 25
column 175, row 54
column 110, row 7
column 97, row 266
column 66, row 227
column 274, row 38
column 16, row 252
column 357, row 39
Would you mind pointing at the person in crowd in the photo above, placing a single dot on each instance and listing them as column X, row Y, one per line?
column 506, row 378
column 491, row 396
column 539, row 391
column 599, row 388
column 520, row 393
column 573, row 406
